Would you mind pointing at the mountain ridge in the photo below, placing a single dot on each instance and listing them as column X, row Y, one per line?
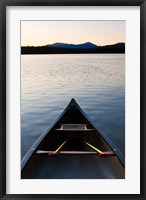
column 67, row 45
column 64, row 48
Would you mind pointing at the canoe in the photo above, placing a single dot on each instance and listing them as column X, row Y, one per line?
column 73, row 148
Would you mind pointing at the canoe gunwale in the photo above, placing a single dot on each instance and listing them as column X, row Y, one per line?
column 73, row 104
column 120, row 156
column 39, row 140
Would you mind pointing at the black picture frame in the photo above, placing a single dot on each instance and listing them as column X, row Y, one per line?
column 3, row 125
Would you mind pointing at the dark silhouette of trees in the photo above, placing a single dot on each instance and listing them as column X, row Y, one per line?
column 52, row 50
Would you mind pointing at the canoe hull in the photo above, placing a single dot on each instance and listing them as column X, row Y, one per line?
column 74, row 166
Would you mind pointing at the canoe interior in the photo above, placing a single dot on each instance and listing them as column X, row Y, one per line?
column 42, row 166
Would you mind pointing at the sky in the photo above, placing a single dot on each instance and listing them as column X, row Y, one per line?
column 39, row 33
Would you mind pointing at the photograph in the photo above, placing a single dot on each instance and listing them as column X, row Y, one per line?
column 72, row 99
column 72, row 75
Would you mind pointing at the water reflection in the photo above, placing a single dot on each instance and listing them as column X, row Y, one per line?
column 48, row 82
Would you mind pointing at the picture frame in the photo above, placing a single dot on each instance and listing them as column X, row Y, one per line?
column 3, row 99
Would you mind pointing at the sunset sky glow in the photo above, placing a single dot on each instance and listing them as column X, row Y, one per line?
column 39, row 33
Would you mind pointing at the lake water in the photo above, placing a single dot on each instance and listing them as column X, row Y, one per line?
column 96, row 81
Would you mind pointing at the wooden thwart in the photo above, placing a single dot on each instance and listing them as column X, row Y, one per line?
column 107, row 153
column 68, row 152
column 96, row 151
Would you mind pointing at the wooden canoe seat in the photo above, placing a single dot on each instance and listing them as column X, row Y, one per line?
column 74, row 127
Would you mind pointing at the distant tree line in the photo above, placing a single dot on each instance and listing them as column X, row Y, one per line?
column 52, row 50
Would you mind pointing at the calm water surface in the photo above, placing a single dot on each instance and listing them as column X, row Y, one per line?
column 96, row 81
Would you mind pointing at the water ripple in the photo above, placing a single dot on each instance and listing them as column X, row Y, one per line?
column 96, row 81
